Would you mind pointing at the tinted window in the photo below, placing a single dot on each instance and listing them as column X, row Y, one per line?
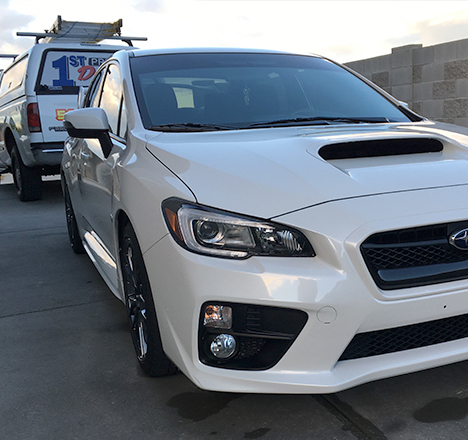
column 93, row 94
column 112, row 101
column 243, row 89
column 13, row 77
column 123, row 119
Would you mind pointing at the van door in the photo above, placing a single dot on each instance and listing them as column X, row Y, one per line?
column 61, row 74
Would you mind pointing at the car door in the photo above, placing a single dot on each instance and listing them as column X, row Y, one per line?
column 97, row 169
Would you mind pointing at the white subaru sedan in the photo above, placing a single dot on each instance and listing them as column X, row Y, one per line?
column 274, row 222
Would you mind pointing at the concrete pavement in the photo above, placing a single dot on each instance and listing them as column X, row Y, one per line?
column 67, row 368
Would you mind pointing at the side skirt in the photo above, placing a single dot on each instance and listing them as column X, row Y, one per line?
column 103, row 260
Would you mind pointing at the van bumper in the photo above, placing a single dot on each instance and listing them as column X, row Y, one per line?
column 47, row 153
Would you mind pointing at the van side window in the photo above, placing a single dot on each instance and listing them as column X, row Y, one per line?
column 13, row 77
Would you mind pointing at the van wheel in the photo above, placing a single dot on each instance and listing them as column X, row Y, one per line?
column 27, row 180
column 141, row 311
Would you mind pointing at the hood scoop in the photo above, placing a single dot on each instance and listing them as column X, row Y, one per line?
column 379, row 148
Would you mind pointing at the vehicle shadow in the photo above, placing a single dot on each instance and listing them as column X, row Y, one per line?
column 51, row 188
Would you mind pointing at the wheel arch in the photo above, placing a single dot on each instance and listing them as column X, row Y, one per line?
column 10, row 140
column 155, row 362
column 122, row 219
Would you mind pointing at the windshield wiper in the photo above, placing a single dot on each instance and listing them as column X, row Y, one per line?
column 318, row 120
column 190, row 126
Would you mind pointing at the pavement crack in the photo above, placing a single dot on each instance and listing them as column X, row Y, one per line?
column 355, row 423
column 59, row 230
column 30, row 312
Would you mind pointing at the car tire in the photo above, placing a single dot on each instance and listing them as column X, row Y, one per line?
column 141, row 310
column 28, row 182
column 72, row 226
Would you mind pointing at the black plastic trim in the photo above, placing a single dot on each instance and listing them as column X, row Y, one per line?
column 407, row 337
column 380, row 147
column 269, row 330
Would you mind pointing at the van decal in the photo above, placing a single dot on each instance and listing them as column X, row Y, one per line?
column 66, row 68
column 60, row 128
column 86, row 72
column 60, row 113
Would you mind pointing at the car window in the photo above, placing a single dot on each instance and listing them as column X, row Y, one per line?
column 112, row 99
column 93, row 94
column 123, row 119
column 13, row 77
column 244, row 89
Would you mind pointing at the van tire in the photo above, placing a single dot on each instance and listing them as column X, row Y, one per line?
column 28, row 181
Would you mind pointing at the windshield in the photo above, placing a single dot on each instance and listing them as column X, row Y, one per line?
column 193, row 91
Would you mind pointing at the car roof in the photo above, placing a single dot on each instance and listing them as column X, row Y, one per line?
column 192, row 50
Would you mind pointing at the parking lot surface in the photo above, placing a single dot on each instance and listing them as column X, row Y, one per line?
column 67, row 368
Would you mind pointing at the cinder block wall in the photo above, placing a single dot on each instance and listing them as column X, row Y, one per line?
column 433, row 80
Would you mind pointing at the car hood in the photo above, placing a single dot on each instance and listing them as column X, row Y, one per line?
column 270, row 172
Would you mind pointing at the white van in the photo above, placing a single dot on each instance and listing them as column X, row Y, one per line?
column 38, row 88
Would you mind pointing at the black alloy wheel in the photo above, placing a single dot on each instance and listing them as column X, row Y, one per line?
column 72, row 226
column 141, row 311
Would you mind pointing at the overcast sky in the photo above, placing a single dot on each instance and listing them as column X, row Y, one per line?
column 341, row 30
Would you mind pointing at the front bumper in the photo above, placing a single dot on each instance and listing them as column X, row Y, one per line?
column 334, row 288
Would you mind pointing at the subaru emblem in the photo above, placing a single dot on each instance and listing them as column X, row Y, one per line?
column 459, row 239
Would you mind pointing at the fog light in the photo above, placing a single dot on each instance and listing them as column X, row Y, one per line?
column 217, row 316
column 223, row 346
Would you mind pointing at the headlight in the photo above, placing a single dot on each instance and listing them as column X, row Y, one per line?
column 222, row 234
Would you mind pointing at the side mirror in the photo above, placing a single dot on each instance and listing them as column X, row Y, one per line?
column 89, row 123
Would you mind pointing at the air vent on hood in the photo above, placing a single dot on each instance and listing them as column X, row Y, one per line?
column 380, row 147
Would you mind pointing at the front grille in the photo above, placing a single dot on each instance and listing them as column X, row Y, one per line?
column 415, row 257
column 407, row 337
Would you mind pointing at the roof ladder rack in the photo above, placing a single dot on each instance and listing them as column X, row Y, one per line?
column 81, row 32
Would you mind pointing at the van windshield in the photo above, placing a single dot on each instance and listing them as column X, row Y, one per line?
column 192, row 91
